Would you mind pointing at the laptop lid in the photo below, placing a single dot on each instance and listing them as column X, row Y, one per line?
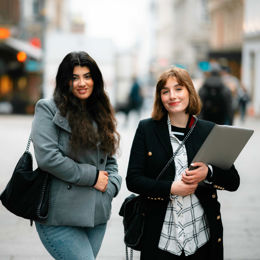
column 223, row 145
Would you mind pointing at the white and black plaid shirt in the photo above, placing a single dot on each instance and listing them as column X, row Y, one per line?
column 185, row 226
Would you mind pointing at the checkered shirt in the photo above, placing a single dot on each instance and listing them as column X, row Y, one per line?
column 185, row 226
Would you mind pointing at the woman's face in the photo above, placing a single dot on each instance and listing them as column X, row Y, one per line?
column 175, row 98
column 82, row 83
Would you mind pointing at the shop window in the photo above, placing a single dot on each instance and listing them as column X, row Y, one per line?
column 21, row 83
column 6, row 85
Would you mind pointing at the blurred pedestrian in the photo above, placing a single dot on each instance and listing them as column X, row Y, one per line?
column 216, row 99
column 134, row 101
column 233, row 84
column 182, row 218
column 135, row 96
column 75, row 139
column 243, row 101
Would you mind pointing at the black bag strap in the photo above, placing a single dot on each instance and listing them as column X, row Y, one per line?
column 177, row 150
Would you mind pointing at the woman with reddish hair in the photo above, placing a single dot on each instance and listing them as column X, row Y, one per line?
column 182, row 218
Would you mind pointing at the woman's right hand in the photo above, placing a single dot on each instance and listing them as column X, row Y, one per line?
column 102, row 181
column 182, row 189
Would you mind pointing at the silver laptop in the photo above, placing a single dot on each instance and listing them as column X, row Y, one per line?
column 223, row 145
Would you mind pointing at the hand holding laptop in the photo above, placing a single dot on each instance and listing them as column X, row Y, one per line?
column 223, row 145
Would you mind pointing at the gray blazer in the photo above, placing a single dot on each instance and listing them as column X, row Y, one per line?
column 73, row 200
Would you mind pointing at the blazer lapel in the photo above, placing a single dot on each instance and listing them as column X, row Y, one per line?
column 162, row 132
column 61, row 121
column 197, row 138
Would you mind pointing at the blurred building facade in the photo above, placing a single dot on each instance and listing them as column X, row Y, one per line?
column 67, row 31
column 138, row 60
column 251, row 52
column 235, row 41
column 182, row 34
column 226, row 33
column 20, row 54
column 44, row 31
column 185, row 33
column 192, row 43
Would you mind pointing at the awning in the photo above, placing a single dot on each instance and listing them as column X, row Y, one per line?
column 231, row 55
column 20, row 45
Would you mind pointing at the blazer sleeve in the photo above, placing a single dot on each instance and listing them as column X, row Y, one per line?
column 137, row 179
column 225, row 179
column 48, row 156
column 114, row 180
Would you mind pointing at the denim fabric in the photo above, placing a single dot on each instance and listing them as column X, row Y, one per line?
column 70, row 243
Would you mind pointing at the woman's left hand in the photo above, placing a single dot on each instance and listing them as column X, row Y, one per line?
column 197, row 175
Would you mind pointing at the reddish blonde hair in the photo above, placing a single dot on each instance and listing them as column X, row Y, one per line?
column 184, row 79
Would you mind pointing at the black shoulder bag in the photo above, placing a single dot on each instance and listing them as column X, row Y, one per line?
column 27, row 192
column 133, row 210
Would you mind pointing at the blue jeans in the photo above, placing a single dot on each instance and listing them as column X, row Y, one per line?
column 71, row 243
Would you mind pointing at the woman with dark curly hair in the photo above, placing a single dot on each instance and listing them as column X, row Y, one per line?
column 75, row 140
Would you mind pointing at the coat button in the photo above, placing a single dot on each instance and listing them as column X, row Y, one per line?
column 213, row 196
column 218, row 217
column 219, row 240
column 150, row 154
column 69, row 187
column 101, row 161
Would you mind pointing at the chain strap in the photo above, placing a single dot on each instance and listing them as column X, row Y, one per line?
column 179, row 147
column 28, row 144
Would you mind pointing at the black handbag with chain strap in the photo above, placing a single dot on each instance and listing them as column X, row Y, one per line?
column 27, row 192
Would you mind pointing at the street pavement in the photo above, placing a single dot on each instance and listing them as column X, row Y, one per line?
column 240, row 209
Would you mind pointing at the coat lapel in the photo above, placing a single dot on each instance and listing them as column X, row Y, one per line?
column 162, row 132
column 61, row 121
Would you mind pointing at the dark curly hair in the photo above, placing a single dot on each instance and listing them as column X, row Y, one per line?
column 91, row 124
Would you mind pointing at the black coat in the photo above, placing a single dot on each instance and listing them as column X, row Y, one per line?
column 216, row 101
column 151, row 149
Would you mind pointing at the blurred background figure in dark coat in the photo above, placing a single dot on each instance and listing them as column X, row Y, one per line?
column 216, row 98
column 233, row 83
column 134, row 101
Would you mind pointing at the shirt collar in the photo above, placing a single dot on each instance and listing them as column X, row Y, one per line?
column 190, row 122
